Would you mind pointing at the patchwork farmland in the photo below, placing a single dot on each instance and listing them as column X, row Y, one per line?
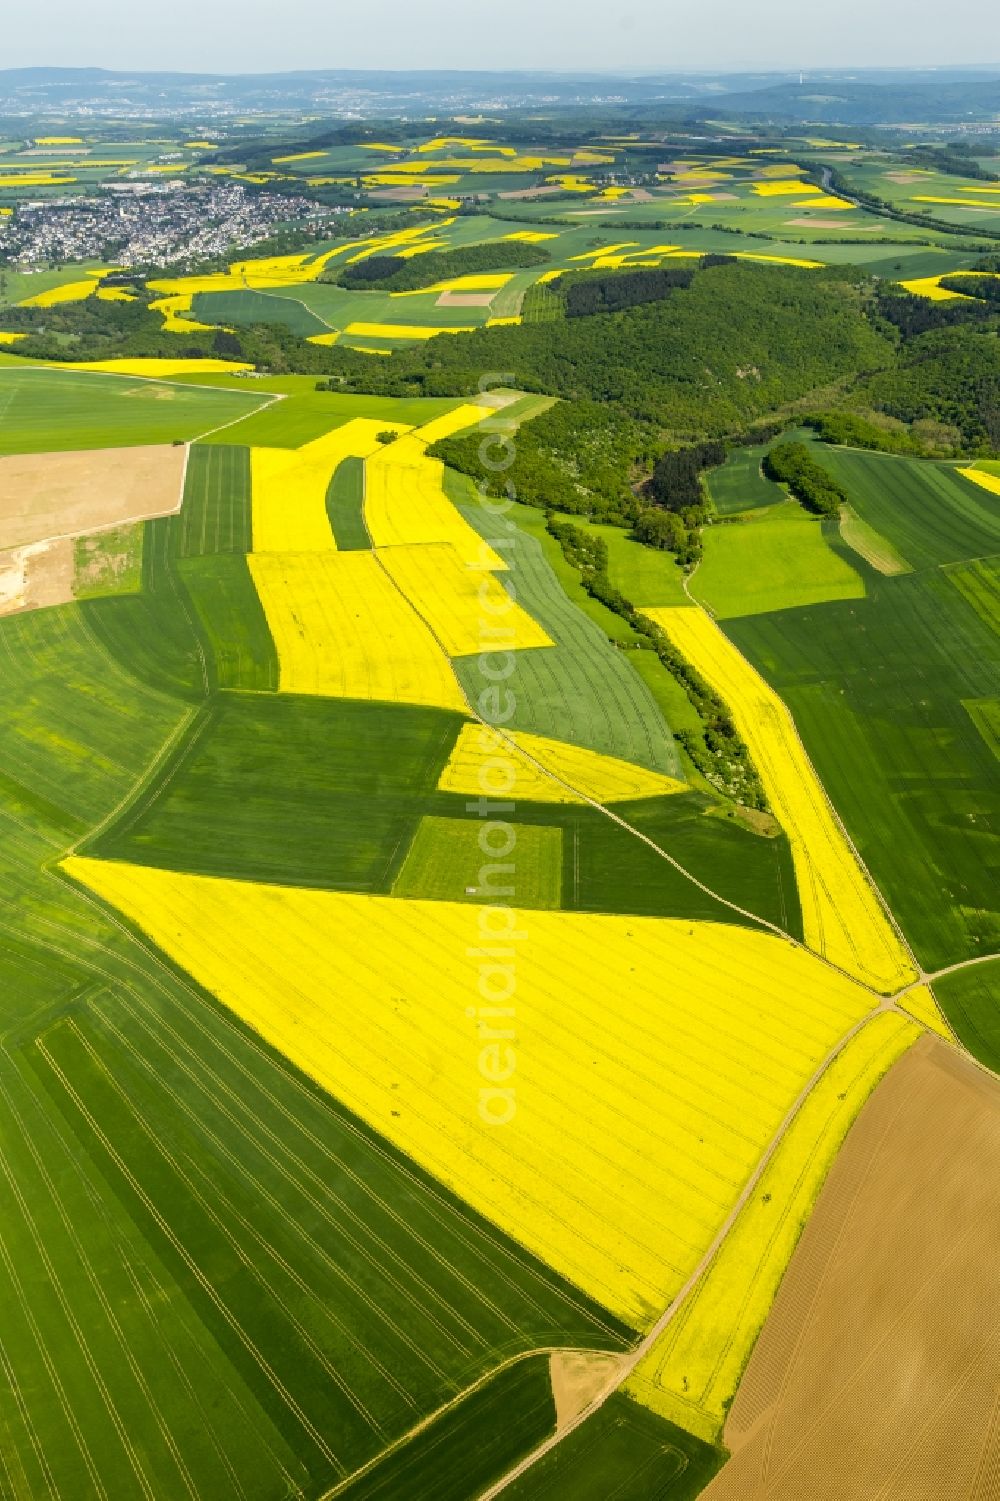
column 480, row 936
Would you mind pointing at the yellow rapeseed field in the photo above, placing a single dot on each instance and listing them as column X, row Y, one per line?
column 70, row 291
column 32, row 180
column 465, row 607
column 363, row 330
column 628, row 1129
column 483, row 762
column 929, row 286
column 531, row 236
column 405, row 502
column 466, row 414
column 343, row 630
column 778, row 260
column 174, row 311
column 989, row 482
column 920, row 1002
column 289, row 485
column 162, row 369
column 779, row 189
column 691, row 1373
column 841, row 913
column 824, row 201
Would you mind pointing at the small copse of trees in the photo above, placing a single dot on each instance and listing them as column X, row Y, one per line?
column 793, row 465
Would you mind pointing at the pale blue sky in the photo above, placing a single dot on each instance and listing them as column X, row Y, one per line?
column 641, row 35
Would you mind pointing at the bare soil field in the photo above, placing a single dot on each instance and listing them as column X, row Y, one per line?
column 465, row 299
column 877, row 1371
column 40, row 574
column 826, row 224
column 48, row 495
column 578, row 1376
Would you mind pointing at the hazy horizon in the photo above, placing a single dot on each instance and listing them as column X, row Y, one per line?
column 641, row 37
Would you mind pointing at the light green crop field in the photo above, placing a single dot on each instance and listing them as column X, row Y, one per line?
column 44, row 410
column 778, row 559
column 299, row 418
column 444, row 861
column 644, row 575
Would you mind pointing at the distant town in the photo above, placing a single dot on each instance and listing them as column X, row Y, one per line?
column 155, row 224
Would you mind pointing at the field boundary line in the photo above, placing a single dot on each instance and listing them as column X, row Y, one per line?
column 144, row 782
column 275, row 396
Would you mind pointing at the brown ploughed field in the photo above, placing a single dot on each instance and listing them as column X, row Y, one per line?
column 876, row 1375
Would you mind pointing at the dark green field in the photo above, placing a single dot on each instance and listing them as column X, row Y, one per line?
column 623, row 1453
column 877, row 689
column 739, row 485
column 345, row 501
column 215, row 516
column 970, row 999
column 471, row 1445
column 246, row 307
column 929, row 511
column 308, row 791
column 45, row 410
column 230, row 621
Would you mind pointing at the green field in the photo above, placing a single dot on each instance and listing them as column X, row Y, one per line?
column 585, row 690
column 307, row 791
column 305, row 415
column 229, row 621
column 970, row 999
column 878, row 689
column 644, row 575
column 739, row 484
column 215, row 515
column 445, row 862
column 623, row 1452
column 246, row 307
column 472, row 1444
column 780, row 559
column 345, row 501
column 43, row 410
column 928, row 511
